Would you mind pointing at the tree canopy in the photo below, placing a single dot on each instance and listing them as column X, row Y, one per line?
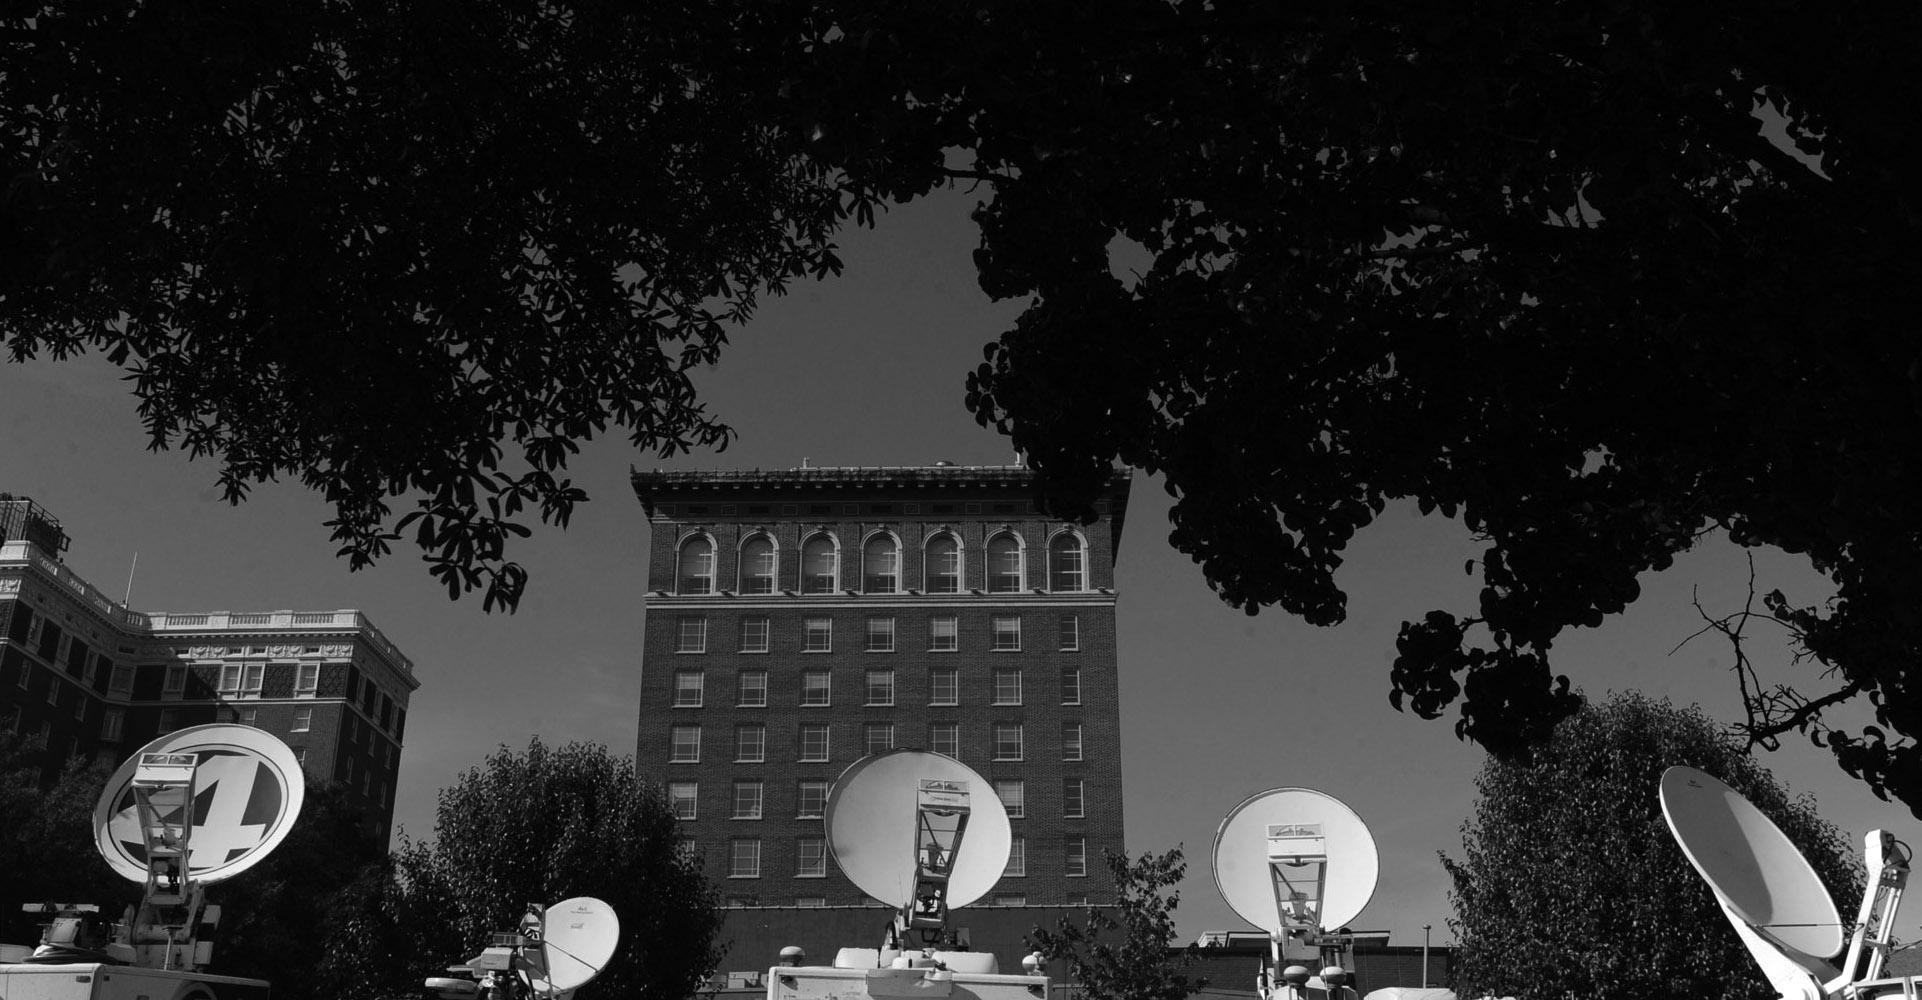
column 538, row 826
column 1595, row 279
column 1138, row 963
column 1569, row 883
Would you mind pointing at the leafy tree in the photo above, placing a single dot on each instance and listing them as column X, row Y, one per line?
column 1569, row 883
column 276, row 917
column 375, row 246
column 46, row 837
column 1138, row 966
column 1593, row 279
column 534, row 827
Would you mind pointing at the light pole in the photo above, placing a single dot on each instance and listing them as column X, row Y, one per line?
column 1424, row 955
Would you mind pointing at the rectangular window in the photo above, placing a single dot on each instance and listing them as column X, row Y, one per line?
column 1010, row 899
column 880, row 736
column 817, row 635
column 303, row 720
column 80, row 706
column 943, row 634
column 1013, row 794
column 747, row 800
column 230, row 678
column 111, row 724
column 26, row 672
column 750, row 744
column 944, row 686
column 1007, row 633
column 810, row 799
column 754, row 633
column 254, row 673
column 300, row 754
column 689, row 686
column 169, row 720
column 1073, row 805
column 1007, row 685
column 307, row 678
column 744, row 859
column 751, row 689
column 880, row 635
column 810, row 902
column 811, row 858
column 816, row 688
column 53, row 690
column 1077, row 859
column 1017, row 858
column 814, row 741
column 250, row 717
column 880, row 687
column 945, row 737
column 686, row 745
column 1070, row 633
column 693, row 636
column 1007, row 741
column 1071, row 741
column 1071, row 685
column 685, row 797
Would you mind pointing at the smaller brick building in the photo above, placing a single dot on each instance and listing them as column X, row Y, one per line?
column 91, row 676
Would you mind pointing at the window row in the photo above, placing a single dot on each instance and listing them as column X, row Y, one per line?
column 811, row 857
column 814, row 741
column 748, row 800
column 1006, row 686
column 876, row 568
column 817, row 634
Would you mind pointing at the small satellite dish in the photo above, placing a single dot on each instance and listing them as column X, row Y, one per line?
column 872, row 816
column 248, row 789
column 1750, row 863
column 1319, row 826
column 578, row 936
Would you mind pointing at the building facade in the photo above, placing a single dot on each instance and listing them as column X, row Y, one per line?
column 800, row 620
column 92, row 677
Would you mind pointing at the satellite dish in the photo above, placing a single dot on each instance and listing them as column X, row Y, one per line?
column 578, row 936
column 871, row 819
column 248, row 788
column 1748, row 861
column 1242, row 845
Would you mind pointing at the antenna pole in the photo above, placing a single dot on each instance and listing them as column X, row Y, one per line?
column 136, row 565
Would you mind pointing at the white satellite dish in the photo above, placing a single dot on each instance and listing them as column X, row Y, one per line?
column 1750, row 863
column 578, row 936
column 1316, row 824
column 872, row 822
column 247, row 790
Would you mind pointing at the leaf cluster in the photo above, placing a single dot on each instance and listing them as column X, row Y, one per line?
column 1593, row 278
column 398, row 251
column 537, row 826
column 1569, row 883
column 1139, row 963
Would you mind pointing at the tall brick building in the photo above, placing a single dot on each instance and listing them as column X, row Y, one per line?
column 799, row 620
column 92, row 676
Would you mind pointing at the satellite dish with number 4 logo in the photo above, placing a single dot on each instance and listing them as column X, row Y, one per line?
column 248, row 789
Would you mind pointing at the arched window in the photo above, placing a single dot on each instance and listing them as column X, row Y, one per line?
column 881, row 565
column 758, row 565
column 1004, row 564
column 697, row 566
column 818, row 565
column 943, row 564
column 1066, row 568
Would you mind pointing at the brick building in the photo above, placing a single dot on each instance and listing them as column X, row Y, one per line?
column 91, row 676
column 799, row 620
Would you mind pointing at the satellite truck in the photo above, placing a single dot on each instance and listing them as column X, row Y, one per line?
column 909, row 828
column 192, row 808
column 1778, row 905
column 556, row 950
column 1299, row 864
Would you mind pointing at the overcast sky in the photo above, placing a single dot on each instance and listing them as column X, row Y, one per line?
column 867, row 369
